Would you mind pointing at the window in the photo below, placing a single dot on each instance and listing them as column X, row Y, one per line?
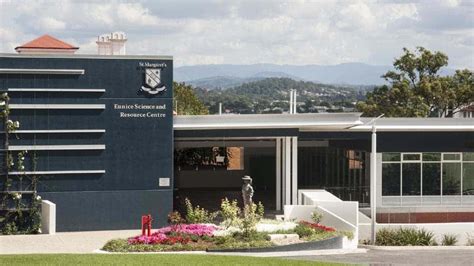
column 355, row 159
column 411, row 157
column 431, row 157
column 451, row 156
column 411, row 173
column 451, row 178
column 390, row 157
column 431, row 178
column 468, row 156
column 391, row 179
column 235, row 156
column 468, row 179
column 430, row 174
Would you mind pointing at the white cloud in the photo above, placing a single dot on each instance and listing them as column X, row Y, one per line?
column 136, row 14
column 49, row 24
column 247, row 32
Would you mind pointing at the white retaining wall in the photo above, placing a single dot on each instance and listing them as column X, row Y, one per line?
column 303, row 213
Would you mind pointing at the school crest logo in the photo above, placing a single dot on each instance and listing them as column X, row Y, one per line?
column 152, row 84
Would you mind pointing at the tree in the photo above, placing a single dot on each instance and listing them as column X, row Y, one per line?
column 417, row 90
column 186, row 100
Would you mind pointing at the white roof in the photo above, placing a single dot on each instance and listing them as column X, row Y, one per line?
column 320, row 122
column 331, row 121
column 417, row 124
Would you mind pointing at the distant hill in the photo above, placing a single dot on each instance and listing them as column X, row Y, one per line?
column 225, row 82
column 220, row 82
column 276, row 88
column 272, row 94
column 348, row 73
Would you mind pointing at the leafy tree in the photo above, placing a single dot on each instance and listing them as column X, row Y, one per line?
column 417, row 90
column 188, row 103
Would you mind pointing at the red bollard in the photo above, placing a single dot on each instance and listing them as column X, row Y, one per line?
column 146, row 224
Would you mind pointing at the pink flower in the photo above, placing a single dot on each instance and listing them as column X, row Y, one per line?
column 190, row 229
column 153, row 239
column 160, row 236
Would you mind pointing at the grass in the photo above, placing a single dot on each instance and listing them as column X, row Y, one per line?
column 145, row 259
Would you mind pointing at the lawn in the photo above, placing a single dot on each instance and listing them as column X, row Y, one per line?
column 144, row 259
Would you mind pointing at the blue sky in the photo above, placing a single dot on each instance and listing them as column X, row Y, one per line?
column 247, row 32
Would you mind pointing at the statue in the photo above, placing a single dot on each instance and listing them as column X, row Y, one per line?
column 247, row 190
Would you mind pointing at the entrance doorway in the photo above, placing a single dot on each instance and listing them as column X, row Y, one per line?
column 209, row 170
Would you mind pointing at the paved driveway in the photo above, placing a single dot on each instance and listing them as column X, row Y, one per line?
column 401, row 257
column 71, row 242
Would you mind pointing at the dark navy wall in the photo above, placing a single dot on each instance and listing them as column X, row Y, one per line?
column 138, row 151
column 398, row 141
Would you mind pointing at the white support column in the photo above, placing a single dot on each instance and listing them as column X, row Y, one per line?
column 294, row 167
column 287, row 170
column 283, row 171
column 294, row 102
column 290, row 109
column 373, row 184
column 278, row 174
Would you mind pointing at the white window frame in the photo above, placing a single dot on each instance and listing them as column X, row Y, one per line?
column 421, row 161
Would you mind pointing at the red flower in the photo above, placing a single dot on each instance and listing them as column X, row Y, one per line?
column 318, row 226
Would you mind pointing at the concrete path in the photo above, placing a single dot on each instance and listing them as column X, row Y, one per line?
column 71, row 242
column 93, row 241
column 445, row 257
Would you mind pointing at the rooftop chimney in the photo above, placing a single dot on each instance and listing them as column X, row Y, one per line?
column 111, row 43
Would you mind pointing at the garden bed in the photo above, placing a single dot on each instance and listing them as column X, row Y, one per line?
column 209, row 237
column 331, row 243
column 238, row 230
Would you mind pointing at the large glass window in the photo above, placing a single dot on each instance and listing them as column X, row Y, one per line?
column 411, row 156
column 451, row 178
column 411, row 174
column 468, row 179
column 431, row 179
column 430, row 174
column 390, row 157
column 451, row 156
column 431, row 157
column 391, row 179
column 468, row 156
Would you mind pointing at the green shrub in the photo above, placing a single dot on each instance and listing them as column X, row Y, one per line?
column 174, row 218
column 260, row 210
column 121, row 245
column 321, row 235
column 10, row 229
column 253, row 213
column 470, row 239
column 316, row 217
column 404, row 237
column 241, row 240
column 348, row 234
column 385, row 237
column 197, row 215
column 116, row 245
column 285, row 231
column 304, row 231
column 230, row 212
column 449, row 240
column 307, row 233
